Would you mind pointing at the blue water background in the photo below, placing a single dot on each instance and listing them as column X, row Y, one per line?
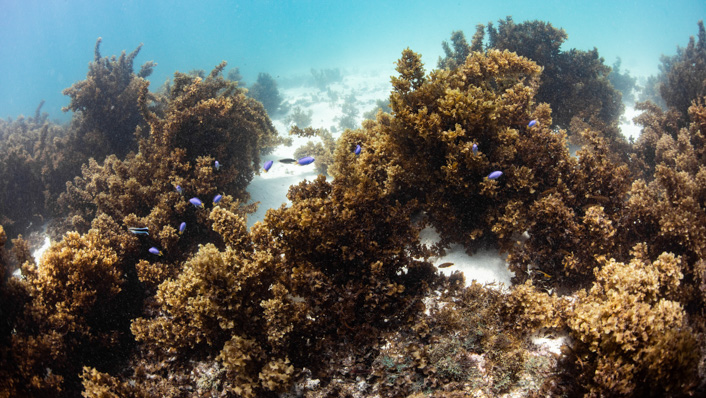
column 46, row 45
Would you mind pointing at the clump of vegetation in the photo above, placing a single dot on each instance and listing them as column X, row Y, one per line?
column 349, row 114
column 456, row 56
column 253, row 306
column 265, row 90
column 235, row 76
column 450, row 130
column 633, row 337
column 28, row 165
column 39, row 157
column 299, row 118
column 325, row 77
column 321, row 151
column 683, row 76
column 380, row 105
column 623, row 82
column 201, row 121
column 574, row 83
column 106, row 104
column 75, row 309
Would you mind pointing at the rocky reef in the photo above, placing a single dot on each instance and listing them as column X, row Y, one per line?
column 158, row 288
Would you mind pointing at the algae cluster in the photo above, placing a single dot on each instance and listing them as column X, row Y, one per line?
column 334, row 295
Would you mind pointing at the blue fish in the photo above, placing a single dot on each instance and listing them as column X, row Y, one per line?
column 217, row 165
column 305, row 160
column 532, row 123
column 196, row 202
column 475, row 149
column 495, row 175
column 182, row 227
column 357, row 150
column 217, row 198
column 267, row 166
column 155, row 251
column 178, row 189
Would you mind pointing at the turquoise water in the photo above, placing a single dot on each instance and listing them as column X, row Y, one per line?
column 45, row 46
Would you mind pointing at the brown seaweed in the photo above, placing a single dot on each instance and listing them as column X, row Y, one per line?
column 683, row 76
column 574, row 83
column 106, row 104
column 336, row 287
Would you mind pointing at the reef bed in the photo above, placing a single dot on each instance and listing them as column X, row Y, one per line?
column 163, row 281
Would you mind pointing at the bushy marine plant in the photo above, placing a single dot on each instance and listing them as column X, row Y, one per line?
column 230, row 305
column 198, row 122
column 456, row 53
column 37, row 157
column 623, row 82
column 321, row 151
column 106, row 106
column 683, row 76
column 323, row 78
column 82, row 296
column 265, row 90
column 632, row 336
column 336, row 267
column 574, row 83
column 299, row 118
column 72, row 310
column 23, row 163
column 424, row 151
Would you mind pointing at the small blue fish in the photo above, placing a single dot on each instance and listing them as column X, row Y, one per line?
column 155, row 251
column 217, row 198
column 182, row 227
column 268, row 165
column 196, row 202
column 305, row 160
column 357, row 150
column 495, row 175
column 475, row 149
column 179, row 190
column 139, row 230
column 217, row 165
column 532, row 123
